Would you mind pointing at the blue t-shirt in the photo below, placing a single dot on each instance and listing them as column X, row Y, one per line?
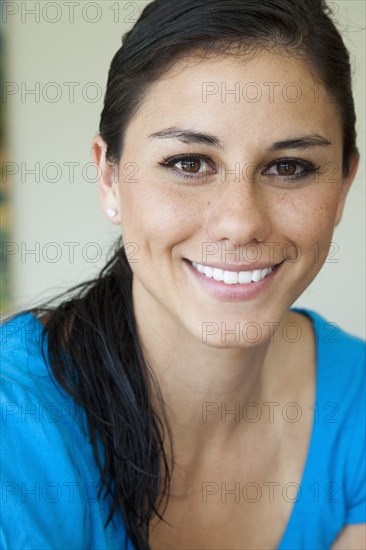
column 49, row 477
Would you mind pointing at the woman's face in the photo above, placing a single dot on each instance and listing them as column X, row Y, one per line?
column 231, row 168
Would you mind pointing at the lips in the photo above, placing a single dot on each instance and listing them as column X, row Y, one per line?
column 232, row 291
column 235, row 276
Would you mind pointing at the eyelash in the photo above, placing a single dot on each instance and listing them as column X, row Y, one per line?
column 307, row 167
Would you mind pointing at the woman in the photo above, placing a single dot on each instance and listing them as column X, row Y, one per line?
column 179, row 401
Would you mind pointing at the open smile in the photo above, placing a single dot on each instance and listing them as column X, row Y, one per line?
column 236, row 283
column 233, row 277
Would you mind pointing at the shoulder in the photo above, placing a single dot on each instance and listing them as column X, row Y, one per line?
column 340, row 367
column 337, row 341
column 36, row 412
column 21, row 349
column 48, row 470
column 341, row 373
column 341, row 398
column 24, row 372
column 335, row 472
column 340, row 356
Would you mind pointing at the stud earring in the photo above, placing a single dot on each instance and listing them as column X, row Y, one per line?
column 111, row 212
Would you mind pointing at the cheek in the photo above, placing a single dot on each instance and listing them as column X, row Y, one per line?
column 309, row 220
column 157, row 215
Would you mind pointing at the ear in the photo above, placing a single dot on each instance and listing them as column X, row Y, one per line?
column 346, row 184
column 108, row 180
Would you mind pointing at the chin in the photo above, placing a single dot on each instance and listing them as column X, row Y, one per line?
column 235, row 334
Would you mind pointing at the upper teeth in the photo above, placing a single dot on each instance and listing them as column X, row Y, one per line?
column 233, row 277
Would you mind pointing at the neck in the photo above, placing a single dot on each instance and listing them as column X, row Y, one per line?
column 204, row 388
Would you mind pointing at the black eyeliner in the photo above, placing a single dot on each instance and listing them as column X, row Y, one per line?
column 173, row 160
column 307, row 167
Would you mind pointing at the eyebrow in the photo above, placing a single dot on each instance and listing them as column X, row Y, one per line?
column 190, row 136
column 300, row 143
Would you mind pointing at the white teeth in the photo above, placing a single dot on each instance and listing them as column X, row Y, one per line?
column 208, row 271
column 245, row 277
column 233, row 277
column 218, row 274
column 256, row 275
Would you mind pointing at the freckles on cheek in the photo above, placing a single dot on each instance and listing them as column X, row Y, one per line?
column 158, row 213
column 306, row 221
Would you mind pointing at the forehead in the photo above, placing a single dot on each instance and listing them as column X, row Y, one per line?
column 229, row 95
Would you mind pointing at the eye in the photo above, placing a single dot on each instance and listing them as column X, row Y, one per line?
column 193, row 166
column 290, row 169
column 196, row 167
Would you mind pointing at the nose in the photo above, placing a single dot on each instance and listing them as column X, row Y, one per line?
column 239, row 213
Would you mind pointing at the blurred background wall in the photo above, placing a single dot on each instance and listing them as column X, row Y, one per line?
column 57, row 56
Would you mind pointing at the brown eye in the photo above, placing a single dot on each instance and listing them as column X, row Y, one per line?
column 191, row 166
column 286, row 168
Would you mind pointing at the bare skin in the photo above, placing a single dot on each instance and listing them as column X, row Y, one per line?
column 169, row 219
column 232, row 497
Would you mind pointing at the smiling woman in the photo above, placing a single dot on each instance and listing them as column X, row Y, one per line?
column 194, row 407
